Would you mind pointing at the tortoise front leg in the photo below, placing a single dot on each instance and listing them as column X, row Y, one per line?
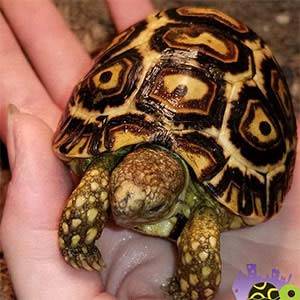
column 199, row 269
column 83, row 219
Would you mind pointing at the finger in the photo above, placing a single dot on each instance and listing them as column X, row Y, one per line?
column 127, row 12
column 35, row 199
column 19, row 84
column 56, row 54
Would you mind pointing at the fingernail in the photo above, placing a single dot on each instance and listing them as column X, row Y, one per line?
column 12, row 110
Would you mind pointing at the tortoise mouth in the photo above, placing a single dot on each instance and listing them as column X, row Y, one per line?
column 158, row 214
column 150, row 216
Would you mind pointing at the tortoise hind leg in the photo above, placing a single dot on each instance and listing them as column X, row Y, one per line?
column 83, row 219
column 199, row 268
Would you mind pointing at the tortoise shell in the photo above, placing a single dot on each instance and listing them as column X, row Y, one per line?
column 203, row 85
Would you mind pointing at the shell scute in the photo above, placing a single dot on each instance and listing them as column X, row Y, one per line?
column 202, row 84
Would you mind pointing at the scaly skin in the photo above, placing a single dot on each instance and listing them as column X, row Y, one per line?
column 85, row 215
column 145, row 186
column 144, row 189
column 199, row 268
column 199, row 265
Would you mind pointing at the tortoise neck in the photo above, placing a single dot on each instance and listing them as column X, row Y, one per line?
column 198, row 197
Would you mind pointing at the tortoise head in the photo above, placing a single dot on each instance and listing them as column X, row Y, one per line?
column 146, row 185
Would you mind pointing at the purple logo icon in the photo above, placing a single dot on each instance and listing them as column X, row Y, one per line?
column 253, row 283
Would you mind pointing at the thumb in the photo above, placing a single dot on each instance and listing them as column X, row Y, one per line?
column 37, row 175
column 36, row 195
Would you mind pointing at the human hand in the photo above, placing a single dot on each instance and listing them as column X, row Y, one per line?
column 136, row 265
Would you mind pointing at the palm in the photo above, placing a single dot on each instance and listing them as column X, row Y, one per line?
column 136, row 265
column 273, row 244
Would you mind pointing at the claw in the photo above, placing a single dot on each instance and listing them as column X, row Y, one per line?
column 90, row 261
column 83, row 220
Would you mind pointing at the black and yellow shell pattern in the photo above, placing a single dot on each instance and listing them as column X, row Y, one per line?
column 263, row 291
column 203, row 85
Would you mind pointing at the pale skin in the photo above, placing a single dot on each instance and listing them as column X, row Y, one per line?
column 41, row 184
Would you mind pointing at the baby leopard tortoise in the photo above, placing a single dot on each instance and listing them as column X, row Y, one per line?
column 184, row 128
